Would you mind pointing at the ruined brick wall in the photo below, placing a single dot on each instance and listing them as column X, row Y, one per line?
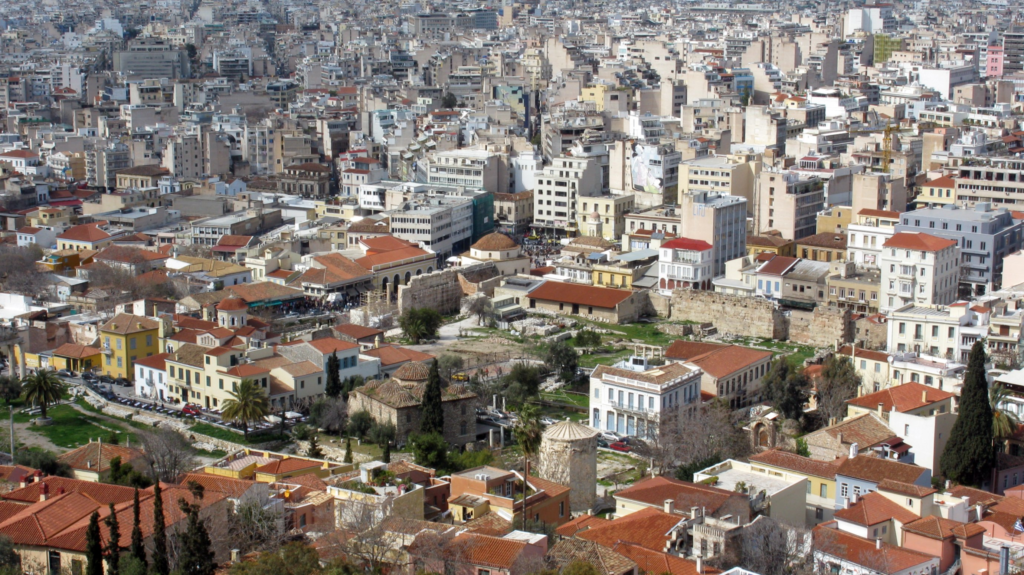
column 823, row 327
column 442, row 290
column 737, row 315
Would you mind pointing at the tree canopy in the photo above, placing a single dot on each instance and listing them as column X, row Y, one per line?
column 420, row 323
column 432, row 410
column 970, row 452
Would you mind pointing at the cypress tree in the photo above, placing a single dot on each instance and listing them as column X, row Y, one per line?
column 113, row 543
column 196, row 556
column 387, row 453
column 93, row 546
column 970, row 453
column 348, row 450
column 160, row 564
column 314, row 450
column 433, row 414
column 138, row 546
column 333, row 388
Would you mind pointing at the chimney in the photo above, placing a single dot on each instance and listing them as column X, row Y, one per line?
column 878, row 543
column 700, row 565
column 924, row 396
column 854, row 498
column 880, row 410
column 234, row 555
column 853, row 450
column 670, row 506
column 980, row 510
column 44, row 491
column 694, row 511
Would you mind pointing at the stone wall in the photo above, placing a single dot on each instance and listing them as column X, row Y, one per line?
column 442, row 290
column 572, row 463
column 660, row 305
column 407, row 419
column 737, row 315
column 822, row 327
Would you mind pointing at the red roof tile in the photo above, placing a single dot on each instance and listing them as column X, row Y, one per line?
column 918, row 241
column 903, row 398
column 599, row 297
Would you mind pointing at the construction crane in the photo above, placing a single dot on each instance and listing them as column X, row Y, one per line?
column 887, row 147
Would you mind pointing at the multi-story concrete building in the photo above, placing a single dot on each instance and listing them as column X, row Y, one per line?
column 996, row 180
column 477, row 169
column 558, row 190
column 151, row 58
column 865, row 237
column 718, row 219
column 920, row 269
column 183, row 157
column 788, row 202
column 985, row 237
column 633, row 398
column 733, row 174
column 513, row 213
column 948, row 331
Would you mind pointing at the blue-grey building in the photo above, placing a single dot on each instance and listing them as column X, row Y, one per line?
column 860, row 474
column 985, row 235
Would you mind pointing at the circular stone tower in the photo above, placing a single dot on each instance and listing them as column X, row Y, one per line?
column 568, row 456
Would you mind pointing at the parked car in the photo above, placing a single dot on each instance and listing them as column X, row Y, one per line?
column 610, row 436
column 65, row 373
column 547, row 421
column 602, row 443
column 190, row 409
column 123, row 382
column 620, row 446
column 106, row 379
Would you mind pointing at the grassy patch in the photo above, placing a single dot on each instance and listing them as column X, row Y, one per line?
column 214, row 454
column 71, row 429
column 594, row 360
column 795, row 353
column 560, row 395
column 645, row 332
column 228, row 435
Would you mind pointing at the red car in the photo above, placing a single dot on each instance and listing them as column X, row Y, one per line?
column 190, row 409
column 620, row 446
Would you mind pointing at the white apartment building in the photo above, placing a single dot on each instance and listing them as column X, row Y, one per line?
column 439, row 225
column 558, row 187
column 919, row 269
column 633, row 398
column 685, row 263
column 183, row 157
column 865, row 238
column 947, row 332
column 477, row 169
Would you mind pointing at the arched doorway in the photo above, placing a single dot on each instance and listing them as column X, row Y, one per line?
column 384, row 285
column 408, row 276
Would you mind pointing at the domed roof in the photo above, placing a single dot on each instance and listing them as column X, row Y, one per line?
column 569, row 431
column 412, row 371
column 494, row 242
column 232, row 304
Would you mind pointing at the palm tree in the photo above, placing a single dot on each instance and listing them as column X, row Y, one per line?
column 528, row 432
column 247, row 405
column 1004, row 421
column 43, row 388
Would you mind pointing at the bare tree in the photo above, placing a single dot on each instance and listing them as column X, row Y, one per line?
column 364, row 537
column 167, row 454
column 827, row 549
column 440, row 552
column 253, row 525
column 329, row 414
column 770, row 548
column 482, row 308
column 704, row 434
column 19, row 272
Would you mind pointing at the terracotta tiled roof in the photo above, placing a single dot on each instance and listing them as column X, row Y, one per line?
column 393, row 394
column 393, row 354
column 649, row 527
column 918, row 241
column 412, row 371
column 876, row 469
column 880, row 213
column 96, row 456
column 263, row 291
column 232, row 304
column 100, row 493
column 329, row 345
column 495, row 242
column 390, row 256
column 128, row 255
column 888, row 560
column 233, row 488
column 125, row 324
column 85, row 233
column 905, row 488
column 357, row 331
column 581, row 523
column 942, row 182
column 866, row 431
column 246, row 370
column 864, row 353
column 154, row 361
column 660, row 562
column 75, row 351
column 687, row 244
column 599, row 297
column 903, row 398
column 656, row 490
column 874, row 508
column 280, row 466
column 941, row 528
column 147, row 170
column 777, row 265
column 726, row 361
column 487, row 550
column 490, row 524
column 332, row 269
column 682, row 349
column 796, row 463
column 824, row 240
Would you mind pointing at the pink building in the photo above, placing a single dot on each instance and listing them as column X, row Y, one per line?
column 994, row 62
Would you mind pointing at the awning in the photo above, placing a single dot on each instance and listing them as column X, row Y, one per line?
column 351, row 291
column 797, row 304
column 292, row 414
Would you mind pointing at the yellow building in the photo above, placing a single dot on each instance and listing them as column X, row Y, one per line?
column 75, row 357
column 606, row 214
column 770, row 243
column 594, row 94
column 834, row 220
column 936, row 192
column 62, row 217
column 126, row 338
column 820, row 476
